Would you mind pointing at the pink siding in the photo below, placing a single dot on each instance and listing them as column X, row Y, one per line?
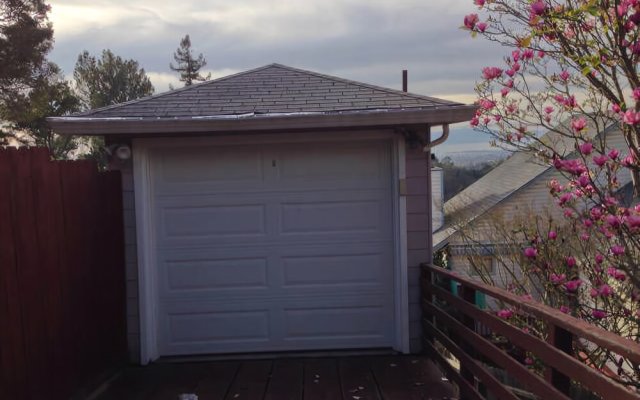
column 418, row 233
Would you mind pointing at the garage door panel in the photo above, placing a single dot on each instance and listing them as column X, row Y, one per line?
column 334, row 270
column 334, row 217
column 183, row 166
column 216, row 274
column 219, row 327
column 213, row 221
column 359, row 322
column 348, row 163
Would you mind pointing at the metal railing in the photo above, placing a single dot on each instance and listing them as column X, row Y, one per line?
column 454, row 321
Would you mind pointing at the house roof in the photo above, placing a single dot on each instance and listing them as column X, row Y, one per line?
column 512, row 175
column 275, row 92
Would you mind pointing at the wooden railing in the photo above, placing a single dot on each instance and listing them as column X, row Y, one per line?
column 453, row 321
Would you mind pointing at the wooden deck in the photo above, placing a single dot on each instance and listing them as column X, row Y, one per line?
column 348, row 378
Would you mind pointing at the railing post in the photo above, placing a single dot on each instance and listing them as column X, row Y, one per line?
column 469, row 295
column 562, row 340
column 427, row 279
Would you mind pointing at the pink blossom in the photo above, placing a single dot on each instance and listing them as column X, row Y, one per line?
column 616, row 108
column 515, row 54
column 553, row 235
column 504, row 91
column 613, row 154
column 479, row 3
column 491, row 73
column 557, row 279
column 579, row 124
column 527, row 54
column 482, row 26
column 564, row 75
column 487, row 104
column 600, row 160
column 598, row 314
column 565, row 198
column 548, row 109
column 571, row 261
column 573, row 285
column 633, row 221
column 605, row 290
column 509, row 83
column 586, row 148
column 587, row 223
column 636, row 94
column 584, row 180
column 470, row 21
column 538, row 7
column 629, row 160
column 617, row 250
column 531, row 252
column 616, row 274
column 584, row 236
column 613, row 221
column 565, row 309
column 506, row 313
column 599, row 258
column 528, row 361
column 631, row 117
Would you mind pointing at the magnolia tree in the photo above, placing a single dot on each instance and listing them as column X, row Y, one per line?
column 571, row 69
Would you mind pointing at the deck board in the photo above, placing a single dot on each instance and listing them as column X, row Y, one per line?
column 251, row 380
column 330, row 378
column 321, row 380
column 216, row 382
column 286, row 380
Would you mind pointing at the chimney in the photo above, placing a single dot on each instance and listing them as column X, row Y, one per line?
column 437, row 198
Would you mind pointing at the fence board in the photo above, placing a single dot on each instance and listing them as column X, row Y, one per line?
column 62, row 299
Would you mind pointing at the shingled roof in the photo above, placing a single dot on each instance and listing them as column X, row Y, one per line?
column 272, row 91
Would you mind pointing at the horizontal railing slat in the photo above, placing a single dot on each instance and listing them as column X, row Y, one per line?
column 468, row 391
column 561, row 361
column 622, row 346
column 491, row 382
column 533, row 382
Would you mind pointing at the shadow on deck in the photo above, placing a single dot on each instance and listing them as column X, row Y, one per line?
column 346, row 378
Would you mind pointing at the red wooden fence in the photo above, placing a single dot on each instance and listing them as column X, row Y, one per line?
column 62, row 299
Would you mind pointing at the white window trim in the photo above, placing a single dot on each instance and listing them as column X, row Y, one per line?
column 147, row 275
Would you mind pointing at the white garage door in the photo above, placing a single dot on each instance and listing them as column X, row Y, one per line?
column 273, row 247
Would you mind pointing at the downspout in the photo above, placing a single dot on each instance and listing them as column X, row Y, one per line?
column 438, row 141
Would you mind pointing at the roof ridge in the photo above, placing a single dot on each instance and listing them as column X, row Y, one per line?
column 170, row 92
column 367, row 85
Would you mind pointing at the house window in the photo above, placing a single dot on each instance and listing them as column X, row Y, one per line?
column 482, row 265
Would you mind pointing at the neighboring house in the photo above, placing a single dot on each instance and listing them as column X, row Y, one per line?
column 273, row 210
column 514, row 189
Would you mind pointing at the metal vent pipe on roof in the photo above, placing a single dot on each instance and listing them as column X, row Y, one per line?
column 405, row 80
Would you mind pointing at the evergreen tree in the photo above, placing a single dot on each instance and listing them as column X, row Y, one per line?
column 188, row 66
column 26, row 114
column 109, row 80
column 26, row 37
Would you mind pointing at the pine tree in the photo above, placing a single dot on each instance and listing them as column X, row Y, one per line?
column 109, row 80
column 26, row 36
column 188, row 66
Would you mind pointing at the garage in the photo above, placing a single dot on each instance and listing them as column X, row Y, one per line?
column 273, row 247
column 273, row 210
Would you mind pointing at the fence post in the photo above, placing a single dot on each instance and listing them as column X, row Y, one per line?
column 469, row 295
column 562, row 340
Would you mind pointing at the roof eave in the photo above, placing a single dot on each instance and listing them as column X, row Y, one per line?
column 155, row 126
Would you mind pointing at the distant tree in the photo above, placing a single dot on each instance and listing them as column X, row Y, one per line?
column 109, row 80
column 26, row 37
column 187, row 65
column 456, row 178
column 26, row 114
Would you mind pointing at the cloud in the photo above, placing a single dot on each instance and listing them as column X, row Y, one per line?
column 366, row 40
